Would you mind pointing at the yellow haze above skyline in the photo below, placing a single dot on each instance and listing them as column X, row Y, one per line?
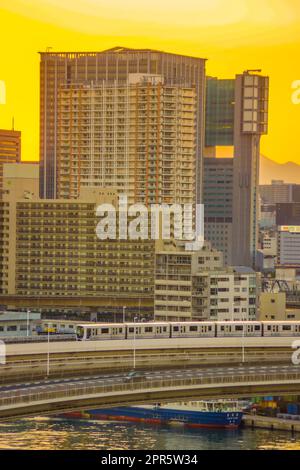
column 233, row 36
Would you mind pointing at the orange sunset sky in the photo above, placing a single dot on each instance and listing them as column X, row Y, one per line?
column 233, row 35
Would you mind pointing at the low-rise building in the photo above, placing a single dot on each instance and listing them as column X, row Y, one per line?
column 272, row 306
column 179, row 295
column 18, row 323
column 197, row 286
column 289, row 274
column 50, row 248
column 268, row 250
column 292, row 314
column 267, row 216
column 234, row 294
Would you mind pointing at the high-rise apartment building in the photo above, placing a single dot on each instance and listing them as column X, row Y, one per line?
column 237, row 115
column 138, row 137
column 111, row 69
column 10, row 149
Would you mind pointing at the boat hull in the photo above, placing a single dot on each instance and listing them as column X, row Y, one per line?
column 166, row 416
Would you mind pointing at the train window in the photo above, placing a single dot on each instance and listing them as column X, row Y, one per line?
column 71, row 327
column 104, row 330
column 164, row 328
column 120, row 330
column 257, row 327
column 12, row 328
column 148, row 329
column 175, row 328
column 1, row 328
column 209, row 328
column 88, row 332
column 286, row 327
column 239, row 328
column 62, row 326
column 269, row 327
column 193, row 328
column 131, row 330
column 222, row 328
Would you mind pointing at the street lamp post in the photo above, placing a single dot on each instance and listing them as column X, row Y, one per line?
column 27, row 326
column 48, row 353
column 243, row 347
column 134, row 320
column 243, row 339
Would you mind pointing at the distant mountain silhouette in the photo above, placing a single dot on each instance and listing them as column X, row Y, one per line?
column 269, row 170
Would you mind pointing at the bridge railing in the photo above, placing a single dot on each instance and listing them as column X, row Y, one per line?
column 69, row 365
column 67, row 391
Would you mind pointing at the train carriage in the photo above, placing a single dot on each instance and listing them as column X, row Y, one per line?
column 61, row 327
column 148, row 330
column 101, row 331
column 276, row 328
column 160, row 330
column 193, row 330
column 238, row 328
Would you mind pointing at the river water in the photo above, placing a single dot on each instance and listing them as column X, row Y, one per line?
column 44, row 433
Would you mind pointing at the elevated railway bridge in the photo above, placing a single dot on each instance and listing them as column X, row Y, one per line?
column 52, row 377
column 63, row 359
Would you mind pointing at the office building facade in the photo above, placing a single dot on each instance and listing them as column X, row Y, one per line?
column 237, row 116
column 288, row 213
column 219, row 112
column 279, row 192
column 218, row 204
column 288, row 249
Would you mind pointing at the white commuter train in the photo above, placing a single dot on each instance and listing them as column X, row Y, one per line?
column 153, row 330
